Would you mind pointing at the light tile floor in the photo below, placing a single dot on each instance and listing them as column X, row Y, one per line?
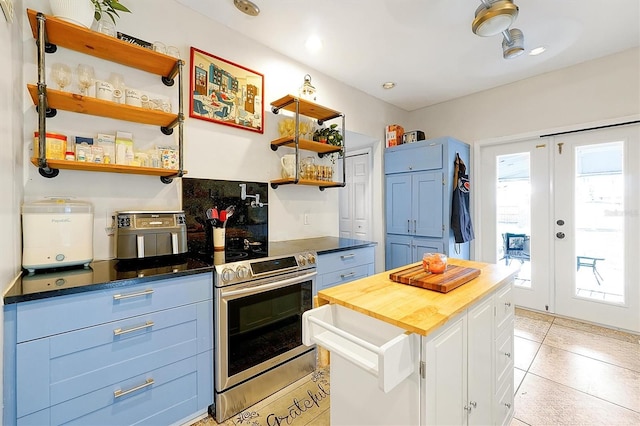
column 566, row 373
column 572, row 373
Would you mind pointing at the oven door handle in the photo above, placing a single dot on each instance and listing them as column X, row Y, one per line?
column 270, row 286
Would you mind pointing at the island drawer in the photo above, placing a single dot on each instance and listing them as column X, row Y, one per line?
column 383, row 350
column 504, row 355
column 505, row 308
column 54, row 315
column 68, row 365
column 337, row 261
column 504, row 404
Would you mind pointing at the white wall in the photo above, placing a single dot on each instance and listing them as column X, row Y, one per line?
column 11, row 162
column 211, row 150
column 593, row 91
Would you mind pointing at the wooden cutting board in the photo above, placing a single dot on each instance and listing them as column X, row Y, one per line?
column 452, row 278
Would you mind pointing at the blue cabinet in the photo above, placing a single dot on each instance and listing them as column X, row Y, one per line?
column 344, row 266
column 419, row 188
column 142, row 353
column 404, row 249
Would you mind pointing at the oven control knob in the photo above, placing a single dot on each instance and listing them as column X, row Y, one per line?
column 311, row 258
column 302, row 260
column 242, row 272
column 228, row 274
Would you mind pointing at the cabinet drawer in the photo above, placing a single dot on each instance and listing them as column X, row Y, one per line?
column 503, row 410
column 345, row 259
column 504, row 308
column 343, row 276
column 504, row 356
column 72, row 364
column 407, row 158
column 41, row 318
column 168, row 393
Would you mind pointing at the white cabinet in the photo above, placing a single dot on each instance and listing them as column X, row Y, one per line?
column 344, row 266
column 469, row 365
column 117, row 356
column 464, row 377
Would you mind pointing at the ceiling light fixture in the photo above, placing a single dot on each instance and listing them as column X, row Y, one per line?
column 388, row 85
column 307, row 91
column 537, row 51
column 512, row 43
column 493, row 17
column 247, row 6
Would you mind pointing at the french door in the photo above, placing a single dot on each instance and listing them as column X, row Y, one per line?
column 515, row 215
column 569, row 204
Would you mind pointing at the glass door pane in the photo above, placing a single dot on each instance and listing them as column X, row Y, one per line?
column 513, row 205
column 599, row 222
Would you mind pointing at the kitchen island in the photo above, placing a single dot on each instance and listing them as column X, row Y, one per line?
column 405, row 355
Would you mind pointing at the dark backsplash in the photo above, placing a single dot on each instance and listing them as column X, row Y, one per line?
column 247, row 222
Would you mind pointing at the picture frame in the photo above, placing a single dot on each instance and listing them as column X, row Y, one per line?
column 225, row 93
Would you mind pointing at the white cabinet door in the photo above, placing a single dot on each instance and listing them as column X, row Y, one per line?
column 479, row 355
column 446, row 375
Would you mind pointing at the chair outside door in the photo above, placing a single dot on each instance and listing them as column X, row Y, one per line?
column 516, row 246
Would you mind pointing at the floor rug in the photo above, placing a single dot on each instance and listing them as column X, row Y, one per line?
column 303, row 403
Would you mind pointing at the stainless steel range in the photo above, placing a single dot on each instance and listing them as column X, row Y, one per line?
column 258, row 328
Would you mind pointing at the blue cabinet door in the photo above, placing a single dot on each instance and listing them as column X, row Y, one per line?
column 398, row 204
column 423, row 245
column 427, row 204
column 398, row 251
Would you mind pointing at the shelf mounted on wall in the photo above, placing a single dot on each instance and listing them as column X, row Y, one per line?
column 51, row 32
column 320, row 113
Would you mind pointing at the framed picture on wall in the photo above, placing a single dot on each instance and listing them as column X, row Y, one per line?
column 225, row 93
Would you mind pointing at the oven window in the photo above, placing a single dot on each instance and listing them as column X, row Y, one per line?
column 266, row 325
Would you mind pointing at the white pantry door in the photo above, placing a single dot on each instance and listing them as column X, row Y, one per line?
column 356, row 198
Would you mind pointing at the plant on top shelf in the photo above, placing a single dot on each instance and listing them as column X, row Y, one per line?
column 109, row 7
column 329, row 135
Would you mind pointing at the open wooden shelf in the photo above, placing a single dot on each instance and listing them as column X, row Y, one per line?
column 309, row 145
column 93, row 43
column 311, row 182
column 108, row 168
column 306, row 108
column 88, row 105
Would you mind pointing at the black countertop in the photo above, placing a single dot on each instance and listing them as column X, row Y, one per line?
column 104, row 274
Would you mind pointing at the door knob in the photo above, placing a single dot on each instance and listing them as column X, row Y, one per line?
column 560, row 235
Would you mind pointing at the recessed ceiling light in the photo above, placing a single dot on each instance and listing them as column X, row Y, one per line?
column 313, row 43
column 537, row 50
column 388, row 85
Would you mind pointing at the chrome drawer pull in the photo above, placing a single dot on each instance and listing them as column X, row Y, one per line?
column 507, row 354
column 350, row 274
column 507, row 304
column 119, row 392
column 130, row 295
column 506, row 404
column 347, row 256
column 119, row 331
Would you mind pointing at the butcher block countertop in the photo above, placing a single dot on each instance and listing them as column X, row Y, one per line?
column 412, row 308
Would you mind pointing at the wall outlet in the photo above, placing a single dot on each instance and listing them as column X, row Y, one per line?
column 306, row 218
column 7, row 8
